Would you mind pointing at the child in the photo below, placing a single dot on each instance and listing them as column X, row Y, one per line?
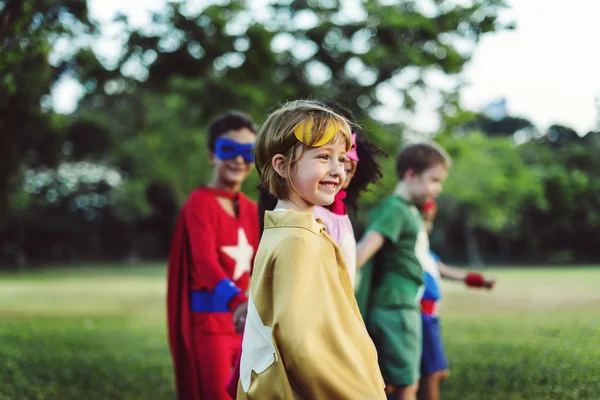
column 304, row 336
column 335, row 217
column 212, row 250
column 358, row 177
column 397, row 239
column 434, row 366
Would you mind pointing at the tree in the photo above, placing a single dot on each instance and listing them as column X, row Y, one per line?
column 192, row 64
column 145, row 117
column 487, row 186
column 30, row 135
column 564, row 231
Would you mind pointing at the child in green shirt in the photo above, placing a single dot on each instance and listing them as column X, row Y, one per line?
column 398, row 243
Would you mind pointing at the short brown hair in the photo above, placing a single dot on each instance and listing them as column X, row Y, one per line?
column 277, row 136
column 230, row 121
column 420, row 157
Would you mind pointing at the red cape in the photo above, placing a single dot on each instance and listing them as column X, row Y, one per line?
column 178, row 315
column 232, row 385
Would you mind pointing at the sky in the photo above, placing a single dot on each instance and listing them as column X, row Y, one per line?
column 547, row 69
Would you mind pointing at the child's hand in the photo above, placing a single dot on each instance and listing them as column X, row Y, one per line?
column 239, row 317
column 478, row 281
column 489, row 282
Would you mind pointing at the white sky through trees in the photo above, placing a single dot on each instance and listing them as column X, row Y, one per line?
column 548, row 69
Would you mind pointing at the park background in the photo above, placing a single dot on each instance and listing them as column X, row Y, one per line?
column 103, row 135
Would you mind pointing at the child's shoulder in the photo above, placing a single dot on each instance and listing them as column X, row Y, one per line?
column 199, row 194
column 323, row 213
column 198, row 200
column 393, row 202
column 251, row 204
column 292, row 243
column 291, row 222
column 292, row 237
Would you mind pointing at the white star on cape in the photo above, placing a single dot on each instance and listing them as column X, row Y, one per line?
column 258, row 350
column 242, row 254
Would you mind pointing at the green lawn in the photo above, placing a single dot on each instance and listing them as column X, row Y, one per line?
column 95, row 333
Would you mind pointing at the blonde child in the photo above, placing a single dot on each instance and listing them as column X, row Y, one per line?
column 304, row 336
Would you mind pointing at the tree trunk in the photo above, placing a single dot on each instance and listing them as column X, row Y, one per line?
column 133, row 257
column 8, row 16
column 20, row 256
column 472, row 245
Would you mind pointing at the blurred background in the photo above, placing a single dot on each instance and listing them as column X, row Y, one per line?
column 104, row 109
column 104, row 106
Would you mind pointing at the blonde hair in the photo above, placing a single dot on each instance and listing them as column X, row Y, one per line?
column 276, row 136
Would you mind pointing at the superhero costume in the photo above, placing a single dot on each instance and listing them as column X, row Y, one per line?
column 209, row 265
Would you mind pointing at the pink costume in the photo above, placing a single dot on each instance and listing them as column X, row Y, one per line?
column 338, row 225
column 340, row 229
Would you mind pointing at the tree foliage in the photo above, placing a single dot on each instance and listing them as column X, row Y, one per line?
column 31, row 136
column 139, row 130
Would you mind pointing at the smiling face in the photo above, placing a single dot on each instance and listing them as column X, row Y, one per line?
column 231, row 172
column 318, row 174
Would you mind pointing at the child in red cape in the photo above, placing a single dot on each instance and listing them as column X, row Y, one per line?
column 213, row 248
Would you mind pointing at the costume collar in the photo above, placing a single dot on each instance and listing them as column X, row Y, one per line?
column 338, row 207
column 293, row 219
column 221, row 193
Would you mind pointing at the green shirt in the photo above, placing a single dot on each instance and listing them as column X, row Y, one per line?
column 397, row 273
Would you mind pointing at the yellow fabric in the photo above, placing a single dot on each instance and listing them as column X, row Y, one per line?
column 304, row 133
column 303, row 295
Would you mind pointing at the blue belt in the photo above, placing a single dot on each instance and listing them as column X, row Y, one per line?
column 216, row 301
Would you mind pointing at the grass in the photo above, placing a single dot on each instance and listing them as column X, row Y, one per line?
column 99, row 333
column 88, row 333
column 533, row 337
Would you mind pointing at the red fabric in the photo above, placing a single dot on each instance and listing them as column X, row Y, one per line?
column 197, row 262
column 428, row 307
column 474, row 280
column 235, row 376
column 338, row 207
column 429, row 206
column 222, row 351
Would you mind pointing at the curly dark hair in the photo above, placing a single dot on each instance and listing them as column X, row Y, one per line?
column 266, row 202
column 368, row 169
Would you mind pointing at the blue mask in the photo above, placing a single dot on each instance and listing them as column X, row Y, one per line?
column 226, row 149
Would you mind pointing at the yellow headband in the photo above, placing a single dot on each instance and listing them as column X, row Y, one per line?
column 304, row 133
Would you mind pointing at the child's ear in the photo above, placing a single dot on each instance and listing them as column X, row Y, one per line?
column 279, row 163
column 211, row 157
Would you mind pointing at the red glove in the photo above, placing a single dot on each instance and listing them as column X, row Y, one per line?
column 478, row 281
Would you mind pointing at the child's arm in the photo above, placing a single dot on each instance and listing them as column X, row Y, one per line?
column 451, row 273
column 471, row 279
column 324, row 347
column 367, row 247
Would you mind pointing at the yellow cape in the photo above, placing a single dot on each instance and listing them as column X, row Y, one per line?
column 304, row 337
